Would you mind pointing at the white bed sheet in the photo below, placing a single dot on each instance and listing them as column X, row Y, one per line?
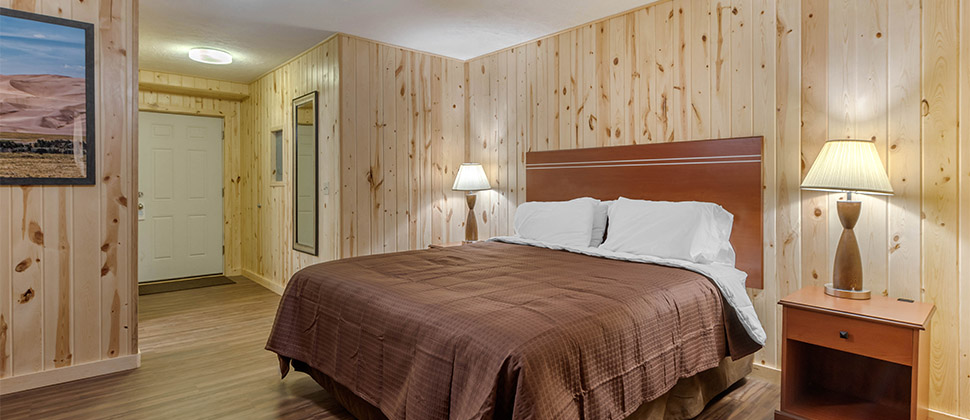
column 728, row 279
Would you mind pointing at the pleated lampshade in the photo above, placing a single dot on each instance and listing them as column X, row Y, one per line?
column 848, row 165
column 471, row 177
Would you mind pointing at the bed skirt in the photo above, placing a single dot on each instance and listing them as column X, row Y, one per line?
column 684, row 401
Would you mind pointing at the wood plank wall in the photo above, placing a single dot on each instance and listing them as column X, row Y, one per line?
column 208, row 97
column 67, row 262
column 267, row 254
column 797, row 73
column 402, row 139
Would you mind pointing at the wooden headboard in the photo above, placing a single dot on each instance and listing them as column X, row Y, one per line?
column 724, row 171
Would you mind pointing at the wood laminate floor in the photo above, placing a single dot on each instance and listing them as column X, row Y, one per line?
column 203, row 358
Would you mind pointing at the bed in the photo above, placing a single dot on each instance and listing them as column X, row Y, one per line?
column 512, row 329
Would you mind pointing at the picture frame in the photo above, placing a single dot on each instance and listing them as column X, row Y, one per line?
column 47, row 93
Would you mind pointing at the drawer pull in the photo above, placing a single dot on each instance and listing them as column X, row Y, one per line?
column 844, row 335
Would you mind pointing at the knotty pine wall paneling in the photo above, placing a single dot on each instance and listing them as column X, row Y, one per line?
column 402, row 138
column 797, row 73
column 68, row 290
column 266, row 208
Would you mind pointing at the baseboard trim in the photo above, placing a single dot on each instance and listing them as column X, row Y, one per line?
column 263, row 281
column 40, row 379
column 768, row 373
column 939, row 415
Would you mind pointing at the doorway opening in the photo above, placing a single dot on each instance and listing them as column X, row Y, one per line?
column 180, row 197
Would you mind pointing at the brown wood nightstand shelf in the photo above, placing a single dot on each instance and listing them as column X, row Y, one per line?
column 853, row 359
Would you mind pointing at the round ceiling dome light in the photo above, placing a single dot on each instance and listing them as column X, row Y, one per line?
column 210, row 56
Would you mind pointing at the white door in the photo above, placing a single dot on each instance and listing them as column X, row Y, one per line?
column 179, row 196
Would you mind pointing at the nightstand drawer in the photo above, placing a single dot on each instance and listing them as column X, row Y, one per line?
column 871, row 339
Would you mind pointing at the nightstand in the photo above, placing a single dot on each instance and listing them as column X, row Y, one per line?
column 853, row 359
column 445, row 245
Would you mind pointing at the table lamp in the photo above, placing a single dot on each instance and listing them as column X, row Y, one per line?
column 848, row 166
column 471, row 178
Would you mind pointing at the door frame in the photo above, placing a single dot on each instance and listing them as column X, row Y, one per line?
column 209, row 113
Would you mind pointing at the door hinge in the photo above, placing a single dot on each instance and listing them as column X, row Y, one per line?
column 223, row 250
column 223, row 191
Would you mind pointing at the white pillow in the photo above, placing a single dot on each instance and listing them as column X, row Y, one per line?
column 567, row 223
column 689, row 230
column 600, row 216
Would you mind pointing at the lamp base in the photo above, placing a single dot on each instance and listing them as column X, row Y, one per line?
column 831, row 290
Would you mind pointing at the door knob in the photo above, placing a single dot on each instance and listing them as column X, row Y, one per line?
column 141, row 206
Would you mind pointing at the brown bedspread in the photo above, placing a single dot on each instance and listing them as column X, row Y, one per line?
column 496, row 330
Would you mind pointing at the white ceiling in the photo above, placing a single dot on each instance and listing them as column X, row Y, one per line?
column 262, row 34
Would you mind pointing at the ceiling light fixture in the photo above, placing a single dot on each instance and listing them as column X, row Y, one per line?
column 210, row 56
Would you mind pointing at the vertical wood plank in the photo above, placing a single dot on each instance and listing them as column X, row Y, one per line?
column 542, row 115
column 842, row 106
column 85, row 223
column 721, row 69
column 602, row 91
column 815, row 265
column 663, row 97
column 964, row 210
column 388, row 150
column 27, row 241
column 619, row 82
column 567, row 134
column 114, row 242
column 763, row 109
column 522, row 118
column 6, row 285
column 402, row 141
column 680, row 114
column 940, row 85
column 552, row 90
column 438, row 230
column 741, row 71
column 700, row 71
column 788, row 149
column 531, row 59
column 512, row 146
column 646, row 85
column 501, row 155
column 587, row 120
column 57, row 278
column 366, row 132
column 348, row 146
column 872, row 123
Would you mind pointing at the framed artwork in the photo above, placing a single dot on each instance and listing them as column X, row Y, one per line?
column 46, row 100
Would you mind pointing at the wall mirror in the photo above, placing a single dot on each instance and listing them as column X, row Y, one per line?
column 305, row 173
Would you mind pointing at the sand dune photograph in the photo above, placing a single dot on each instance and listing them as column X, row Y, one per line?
column 44, row 106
